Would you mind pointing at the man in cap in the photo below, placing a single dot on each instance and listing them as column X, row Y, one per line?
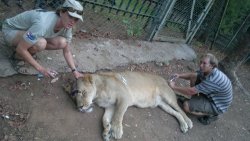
column 37, row 30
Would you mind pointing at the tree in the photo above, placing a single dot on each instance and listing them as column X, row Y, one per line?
column 234, row 13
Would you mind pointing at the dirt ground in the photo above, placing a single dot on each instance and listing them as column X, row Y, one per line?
column 33, row 109
column 38, row 110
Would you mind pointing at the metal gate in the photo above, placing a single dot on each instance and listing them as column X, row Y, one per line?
column 124, row 19
column 184, row 20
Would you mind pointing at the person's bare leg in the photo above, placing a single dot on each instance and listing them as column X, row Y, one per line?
column 56, row 43
column 39, row 46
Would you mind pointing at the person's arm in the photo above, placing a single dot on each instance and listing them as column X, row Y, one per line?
column 183, row 90
column 186, row 76
column 22, row 50
column 69, row 59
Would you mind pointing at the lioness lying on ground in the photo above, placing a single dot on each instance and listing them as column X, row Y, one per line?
column 117, row 91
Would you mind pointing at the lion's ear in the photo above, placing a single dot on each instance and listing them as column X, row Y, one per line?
column 88, row 78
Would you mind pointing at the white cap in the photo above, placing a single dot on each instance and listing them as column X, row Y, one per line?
column 76, row 6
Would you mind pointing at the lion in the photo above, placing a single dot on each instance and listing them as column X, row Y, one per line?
column 116, row 91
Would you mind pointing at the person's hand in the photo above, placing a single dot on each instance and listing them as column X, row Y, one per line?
column 173, row 77
column 172, row 80
column 77, row 74
column 48, row 72
column 171, row 83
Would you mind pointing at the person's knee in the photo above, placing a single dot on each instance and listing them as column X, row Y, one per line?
column 186, row 107
column 55, row 43
column 61, row 42
column 39, row 46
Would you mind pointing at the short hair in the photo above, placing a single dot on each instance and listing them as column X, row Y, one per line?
column 58, row 10
column 212, row 59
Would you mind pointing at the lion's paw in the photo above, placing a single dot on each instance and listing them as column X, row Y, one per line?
column 107, row 136
column 189, row 123
column 117, row 131
column 107, row 133
column 184, row 127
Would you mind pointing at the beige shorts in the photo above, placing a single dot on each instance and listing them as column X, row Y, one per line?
column 9, row 35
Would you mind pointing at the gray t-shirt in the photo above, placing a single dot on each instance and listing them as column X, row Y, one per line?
column 38, row 24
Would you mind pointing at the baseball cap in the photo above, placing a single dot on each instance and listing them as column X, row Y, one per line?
column 74, row 8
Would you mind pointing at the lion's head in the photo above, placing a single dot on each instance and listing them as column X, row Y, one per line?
column 86, row 93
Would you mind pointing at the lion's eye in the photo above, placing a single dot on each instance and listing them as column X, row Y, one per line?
column 84, row 92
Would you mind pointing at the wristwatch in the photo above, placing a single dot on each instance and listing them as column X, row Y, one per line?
column 73, row 70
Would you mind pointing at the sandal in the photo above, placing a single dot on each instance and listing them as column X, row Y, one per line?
column 16, row 62
column 28, row 70
column 20, row 66
column 16, row 56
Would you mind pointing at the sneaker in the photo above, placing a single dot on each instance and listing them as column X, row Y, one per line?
column 206, row 120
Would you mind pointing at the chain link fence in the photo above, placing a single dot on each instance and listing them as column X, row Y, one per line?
column 135, row 19
column 101, row 21
column 184, row 20
column 128, row 19
column 211, row 33
column 121, row 19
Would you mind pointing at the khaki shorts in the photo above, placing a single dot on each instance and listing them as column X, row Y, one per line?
column 9, row 35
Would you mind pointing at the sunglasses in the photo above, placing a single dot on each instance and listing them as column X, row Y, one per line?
column 70, row 9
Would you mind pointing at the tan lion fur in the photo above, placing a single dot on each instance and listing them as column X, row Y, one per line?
column 117, row 91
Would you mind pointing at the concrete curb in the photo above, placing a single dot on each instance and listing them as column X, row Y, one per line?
column 101, row 53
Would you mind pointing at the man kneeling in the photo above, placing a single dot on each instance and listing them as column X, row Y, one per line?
column 211, row 90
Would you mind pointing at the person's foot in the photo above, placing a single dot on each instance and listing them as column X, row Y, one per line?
column 16, row 56
column 206, row 120
column 21, row 66
column 27, row 70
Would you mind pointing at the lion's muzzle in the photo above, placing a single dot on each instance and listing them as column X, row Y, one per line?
column 87, row 109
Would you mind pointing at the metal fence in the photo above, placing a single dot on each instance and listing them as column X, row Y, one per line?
column 184, row 20
column 135, row 19
column 146, row 19
column 124, row 19
column 171, row 20
column 210, row 32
